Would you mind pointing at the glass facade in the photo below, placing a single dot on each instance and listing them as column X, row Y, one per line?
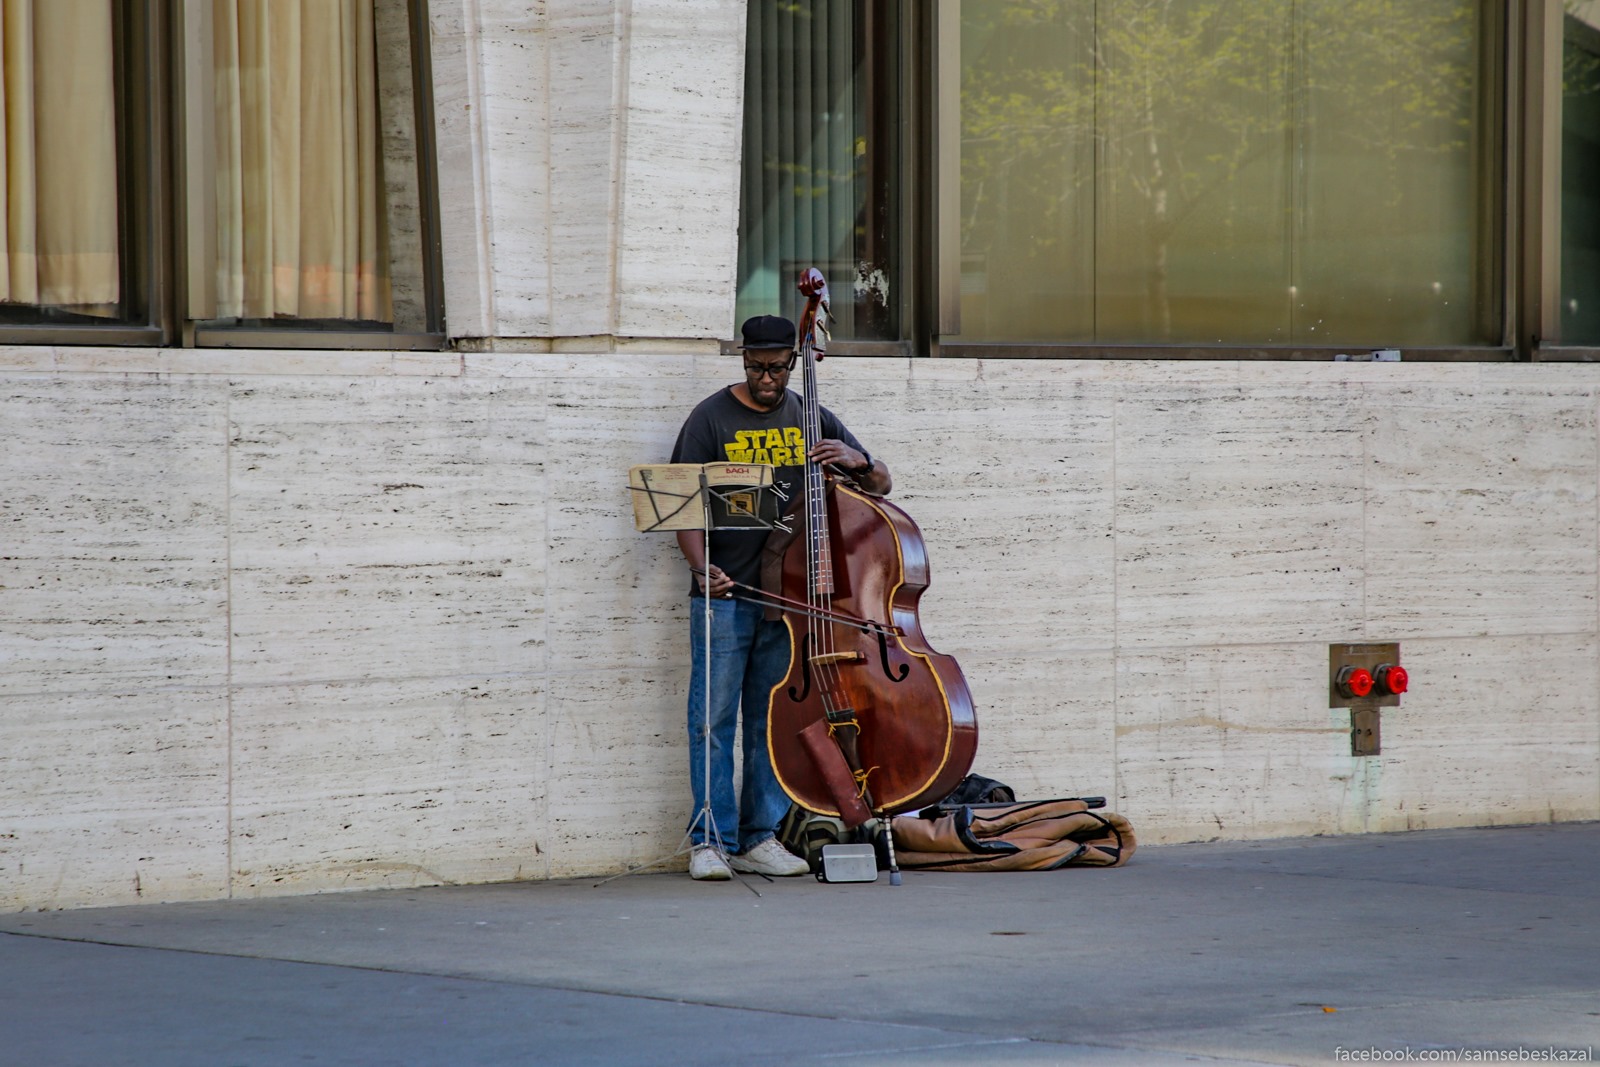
column 1237, row 172
column 1234, row 173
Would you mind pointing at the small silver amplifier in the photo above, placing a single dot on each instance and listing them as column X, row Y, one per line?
column 848, row 863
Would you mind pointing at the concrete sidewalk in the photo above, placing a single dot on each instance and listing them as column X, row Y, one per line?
column 1291, row 952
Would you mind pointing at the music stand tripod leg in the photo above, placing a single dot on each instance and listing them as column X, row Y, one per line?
column 704, row 817
column 712, row 833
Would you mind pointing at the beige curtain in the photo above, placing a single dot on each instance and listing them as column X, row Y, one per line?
column 300, row 222
column 58, row 177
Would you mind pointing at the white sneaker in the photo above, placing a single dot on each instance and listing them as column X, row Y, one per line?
column 769, row 857
column 707, row 865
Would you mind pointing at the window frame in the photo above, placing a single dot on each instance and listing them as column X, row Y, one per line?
column 940, row 171
column 1541, row 56
column 144, row 212
column 164, row 171
column 199, row 333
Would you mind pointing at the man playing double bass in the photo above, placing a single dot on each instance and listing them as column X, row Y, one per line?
column 758, row 420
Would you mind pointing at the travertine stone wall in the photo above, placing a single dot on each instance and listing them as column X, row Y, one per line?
column 1171, row 548
column 589, row 163
column 284, row 622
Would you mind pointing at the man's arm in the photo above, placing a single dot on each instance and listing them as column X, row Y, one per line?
column 692, row 543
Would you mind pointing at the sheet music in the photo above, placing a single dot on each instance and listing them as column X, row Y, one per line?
column 666, row 496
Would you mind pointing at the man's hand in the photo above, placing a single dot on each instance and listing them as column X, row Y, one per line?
column 875, row 480
column 721, row 584
column 692, row 543
column 832, row 450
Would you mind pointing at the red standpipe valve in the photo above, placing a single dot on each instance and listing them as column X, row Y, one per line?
column 1392, row 678
column 1354, row 682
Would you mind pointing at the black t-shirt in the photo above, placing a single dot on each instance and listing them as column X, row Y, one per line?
column 722, row 430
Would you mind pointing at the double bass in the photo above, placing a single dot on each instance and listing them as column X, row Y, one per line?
column 869, row 720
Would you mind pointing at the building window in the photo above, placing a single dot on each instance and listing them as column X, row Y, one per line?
column 61, row 259
column 227, row 172
column 1580, row 163
column 1246, row 172
column 312, row 116
column 1294, row 176
column 822, row 151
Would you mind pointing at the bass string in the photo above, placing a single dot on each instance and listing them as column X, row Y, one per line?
column 818, row 552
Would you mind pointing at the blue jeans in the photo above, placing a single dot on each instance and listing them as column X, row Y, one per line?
column 749, row 655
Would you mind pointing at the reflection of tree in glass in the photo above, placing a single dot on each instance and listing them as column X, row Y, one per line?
column 1177, row 98
column 1580, row 66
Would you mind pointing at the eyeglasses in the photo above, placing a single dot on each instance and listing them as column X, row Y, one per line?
column 769, row 370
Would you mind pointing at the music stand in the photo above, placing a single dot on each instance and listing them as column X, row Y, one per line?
column 670, row 497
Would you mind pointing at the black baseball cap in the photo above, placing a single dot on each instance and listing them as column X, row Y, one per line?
column 768, row 331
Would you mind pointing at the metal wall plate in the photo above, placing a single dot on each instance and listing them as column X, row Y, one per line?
column 1368, row 656
column 1365, row 736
